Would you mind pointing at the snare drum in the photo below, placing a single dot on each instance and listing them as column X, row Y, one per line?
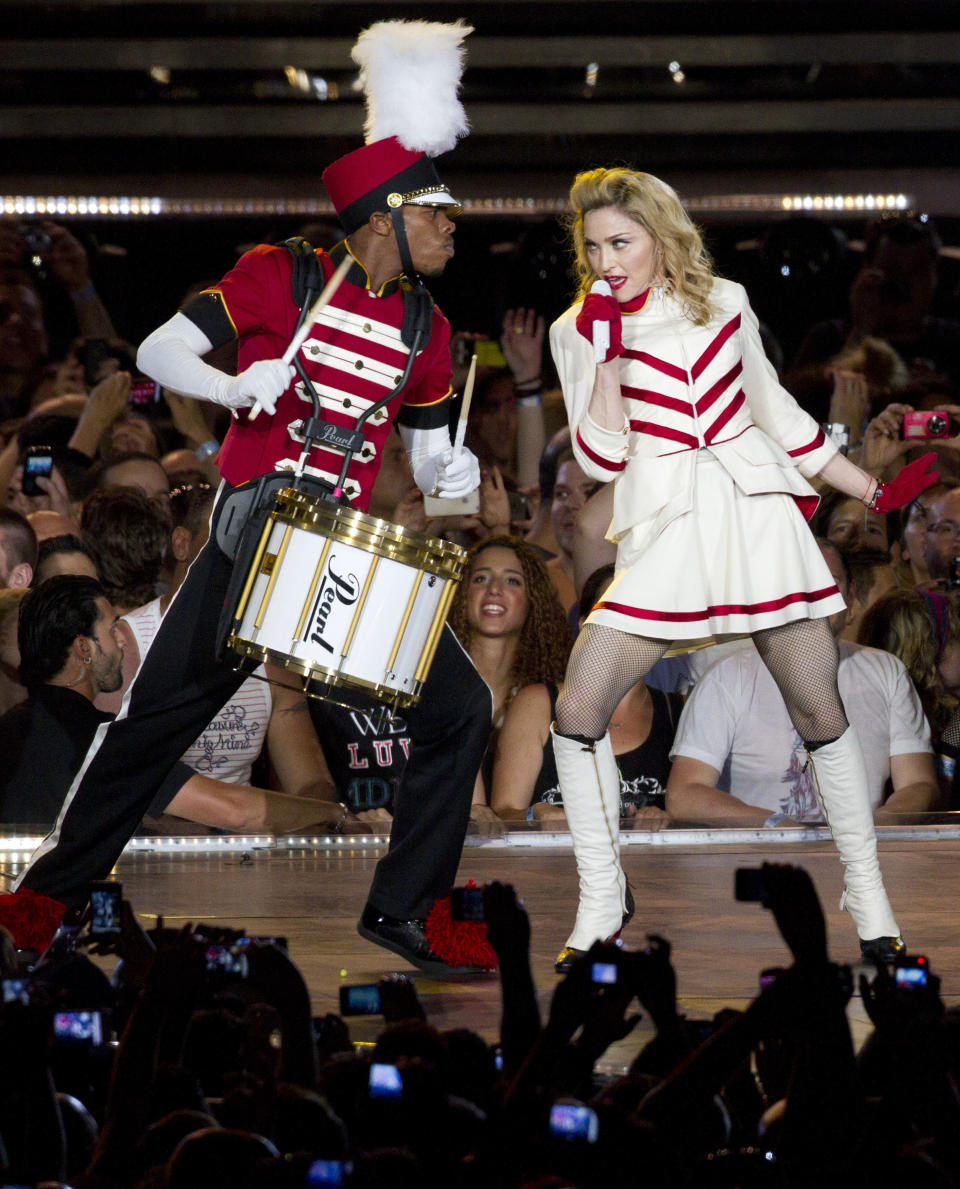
column 348, row 601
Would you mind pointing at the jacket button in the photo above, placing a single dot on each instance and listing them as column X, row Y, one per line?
column 367, row 328
column 359, row 365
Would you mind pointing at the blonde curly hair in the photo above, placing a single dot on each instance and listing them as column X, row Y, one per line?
column 685, row 262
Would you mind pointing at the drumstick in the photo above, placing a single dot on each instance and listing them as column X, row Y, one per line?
column 297, row 341
column 465, row 406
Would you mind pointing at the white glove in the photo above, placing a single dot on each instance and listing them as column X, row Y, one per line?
column 263, row 383
column 171, row 354
column 448, row 475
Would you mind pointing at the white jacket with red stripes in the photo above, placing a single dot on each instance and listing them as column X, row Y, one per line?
column 686, row 388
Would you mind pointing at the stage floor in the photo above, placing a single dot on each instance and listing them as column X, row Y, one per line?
column 312, row 892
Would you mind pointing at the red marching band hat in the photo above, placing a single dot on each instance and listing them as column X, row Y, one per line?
column 380, row 176
column 410, row 75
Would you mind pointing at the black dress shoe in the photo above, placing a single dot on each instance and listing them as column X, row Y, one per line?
column 568, row 955
column 409, row 940
column 883, row 951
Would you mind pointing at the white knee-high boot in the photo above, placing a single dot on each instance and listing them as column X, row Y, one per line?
column 841, row 782
column 590, row 787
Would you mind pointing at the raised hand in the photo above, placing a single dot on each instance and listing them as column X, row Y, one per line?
column 522, row 343
column 790, row 895
column 508, row 926
column 656, row 981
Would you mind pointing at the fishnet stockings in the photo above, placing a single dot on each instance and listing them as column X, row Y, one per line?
column 604, row 665
column 802, row 659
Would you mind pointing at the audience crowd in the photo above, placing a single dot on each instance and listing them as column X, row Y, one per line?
column 198, row 1064
column 105, row 487
column 102, row 474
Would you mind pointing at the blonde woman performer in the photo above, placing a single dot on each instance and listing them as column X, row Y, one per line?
column 670, row 396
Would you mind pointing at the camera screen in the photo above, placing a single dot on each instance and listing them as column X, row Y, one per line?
column 16, row 990
column 144, row 392
column 361, row 1000
column 911, row 976
column 466, row 904
column 573, row 1121
column 76, row 1026
column 105, row 910
column 604, row 972
column 327, row 1173
column 38, row 464
column 385, row 1081
column 226, row 959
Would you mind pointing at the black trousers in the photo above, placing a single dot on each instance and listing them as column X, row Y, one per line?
column 180, row 687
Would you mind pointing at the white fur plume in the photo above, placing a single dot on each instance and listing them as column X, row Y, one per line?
column 410, row 73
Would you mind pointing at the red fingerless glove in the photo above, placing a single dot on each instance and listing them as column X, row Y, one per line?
column 597, row 307
column 906, row 485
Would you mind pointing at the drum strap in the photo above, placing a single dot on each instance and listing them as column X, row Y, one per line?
column 238, row 521
column 307, row 281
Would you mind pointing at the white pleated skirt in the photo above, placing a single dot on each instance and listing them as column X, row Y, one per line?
column 733, row 565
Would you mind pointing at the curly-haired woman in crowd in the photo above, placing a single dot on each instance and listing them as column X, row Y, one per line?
column 922, row 628
column 669, row 394
column 525, row 782
column 507, row 615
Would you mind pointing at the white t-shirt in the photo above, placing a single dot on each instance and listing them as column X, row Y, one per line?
column 736, row 721
column 227, row 746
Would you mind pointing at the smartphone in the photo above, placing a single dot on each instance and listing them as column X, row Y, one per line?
column 466, row 904
column 604, row 973
column 105, row 898
column 748, row 884
column 144, row 392
column 911, row 972
column 227, row 960
column 16, row 990
column 519, row 506
column 385, row 1081
column 332, row 1173
column 74, row 1027
column 63, row 942
column 573, row 1121
column 769, row 976
column 37, row 463
column 361, row 999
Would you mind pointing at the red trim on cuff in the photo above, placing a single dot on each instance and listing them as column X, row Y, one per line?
column 814, row 445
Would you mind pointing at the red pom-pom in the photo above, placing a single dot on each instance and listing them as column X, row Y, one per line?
column 459, row 943
column 30, row 917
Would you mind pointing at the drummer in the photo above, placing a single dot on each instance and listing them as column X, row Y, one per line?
column 398, row 219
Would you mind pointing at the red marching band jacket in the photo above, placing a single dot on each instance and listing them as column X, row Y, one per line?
column 354, row 356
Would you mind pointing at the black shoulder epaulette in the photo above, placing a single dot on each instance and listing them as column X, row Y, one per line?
column 307, row 273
